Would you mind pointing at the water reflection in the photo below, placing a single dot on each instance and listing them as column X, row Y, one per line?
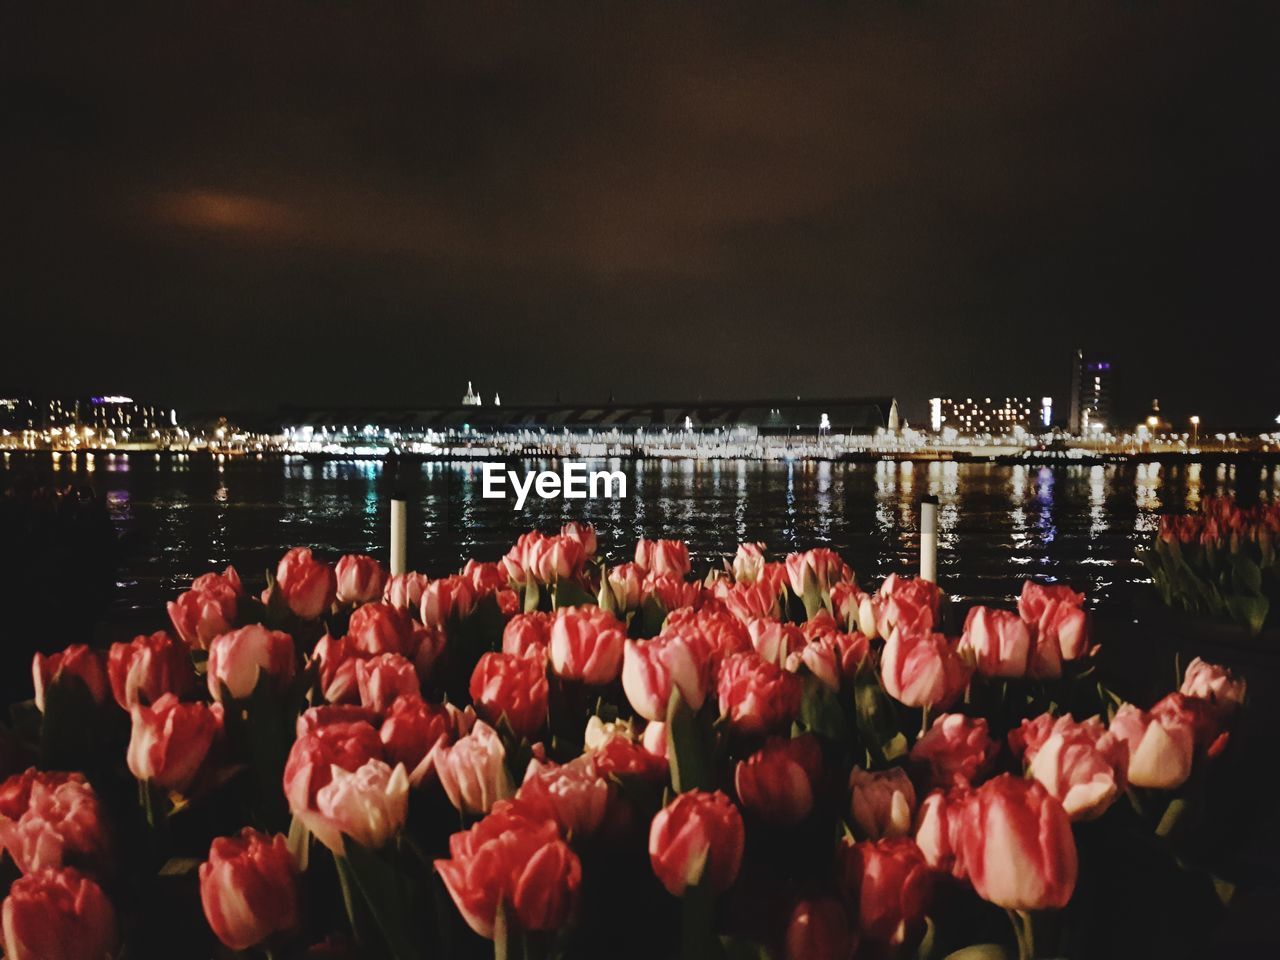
column 181, row 515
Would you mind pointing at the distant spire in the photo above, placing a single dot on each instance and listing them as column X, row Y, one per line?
column 497, row 400
column 470, row 398
column 894, row 425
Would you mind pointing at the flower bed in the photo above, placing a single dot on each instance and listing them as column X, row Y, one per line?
column 550, row 756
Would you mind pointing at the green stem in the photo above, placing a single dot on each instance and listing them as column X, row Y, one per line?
column 1024, row 932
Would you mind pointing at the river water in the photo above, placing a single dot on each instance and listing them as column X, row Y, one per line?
column 998, row 524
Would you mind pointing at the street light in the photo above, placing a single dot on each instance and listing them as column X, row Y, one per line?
column 1195, row 429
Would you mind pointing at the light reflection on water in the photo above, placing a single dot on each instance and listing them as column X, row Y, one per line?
column 997, row 524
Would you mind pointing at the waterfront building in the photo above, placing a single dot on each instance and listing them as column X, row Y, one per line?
column 988, row 416
column 1090, row 394
column 471, row 398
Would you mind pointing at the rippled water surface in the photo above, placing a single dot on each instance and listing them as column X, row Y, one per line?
column 998, row 524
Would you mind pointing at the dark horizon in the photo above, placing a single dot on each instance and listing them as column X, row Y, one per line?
column 236, row 210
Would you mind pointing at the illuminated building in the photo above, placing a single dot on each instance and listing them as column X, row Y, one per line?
column 471, row 398
column 1090, row 393
column 988, row 415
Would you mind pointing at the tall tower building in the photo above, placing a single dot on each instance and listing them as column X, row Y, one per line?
column 1090, row 393
column 470, row 398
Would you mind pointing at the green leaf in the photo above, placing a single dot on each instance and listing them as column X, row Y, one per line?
column 1246, row 576
column 1173, row 813
column 531, row 595
column 1251, row 611
column 820, row 711
column 736, row 948
column 568, row 593
column 687, row 748
column 876, row 718
column 388, row 895
column 925, row 948
column 649, row 618
column 698, row 940
column 69, row 725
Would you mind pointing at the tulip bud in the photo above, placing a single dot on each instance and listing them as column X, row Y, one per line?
column 651, row 669
column 369, row 805
column 756, row 696
column 882, row 803
column 587, row 645
column 473, row 771
column 59, row 820
column 208, row 609
column 505, row 685
column 360, row 578
column 891, row 885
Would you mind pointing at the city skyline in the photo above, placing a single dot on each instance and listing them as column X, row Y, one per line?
column 895, row 199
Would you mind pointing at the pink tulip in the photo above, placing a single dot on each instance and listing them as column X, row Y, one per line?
column 1159, row 751
column 368, row 804
column 473, row 770
column 573, row 794
column 882, row 802
column 587, row 645
column 1214, row 684
column 998, row 640
column 666, row 558
column 238, row 659
column 376, row 628
column 384, row 678
column 652, row 669
column 208, row 609
column 889, row 883
column 922, row 669
column 757, row 696
column 360, row 578
column 61, row 820
column 956, row 751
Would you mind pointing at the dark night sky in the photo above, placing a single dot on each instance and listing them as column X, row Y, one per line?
column 224, row 206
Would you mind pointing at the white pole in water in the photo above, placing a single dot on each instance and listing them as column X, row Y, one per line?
column 399, row 536
column 929, row 539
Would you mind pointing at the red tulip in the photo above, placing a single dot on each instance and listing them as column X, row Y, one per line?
column 889, row 883
column 750, row 601
column 58, row 820
column 383, row 678
column 146, row 668
column 587, row 644
column 445, row 599
column 505, row 685
column 411, row 728
column 170, row 740
column 774, row 641
column 76, row 661
column 719, row 632
column 527, row 634
column 573, row 794
column 909, row 603
column 819, row 930
column 757, row 696
column 922, row 669
column 956, row 751
column 937, row 830
column 1036, row 598
column 345, row 745
column 665, row 558
column 514, row 860
column 778, row 783
column 238, row 659
column 376, row 628
column 209, row 608
column 584, row 533
column 819, row 569
column 58, row 915
column 697, row 838
column 1016, row 845
column 404, row 590
column 249, row 888
column 308, row 586
column 672, row 593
